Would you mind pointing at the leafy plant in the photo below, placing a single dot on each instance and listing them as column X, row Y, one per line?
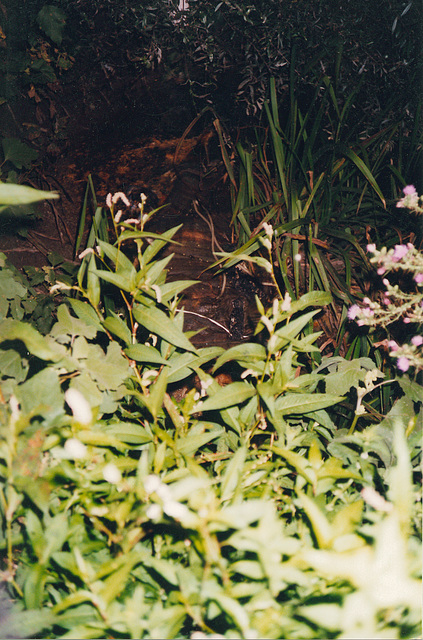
column 243, row 510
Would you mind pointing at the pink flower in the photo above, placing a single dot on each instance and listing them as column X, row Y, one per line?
column 371, row 248
column 418, row 278
column 381, row 271
column 403, row 363
column 353, row 312
column 393, row 345
column 406, row 321
column 400, row 251
column 417, row 340
column 409, row 190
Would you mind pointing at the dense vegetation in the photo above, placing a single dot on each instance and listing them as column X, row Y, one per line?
column 286, row 504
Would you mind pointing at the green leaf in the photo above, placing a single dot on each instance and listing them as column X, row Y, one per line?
column 144, row 353
column 118, row 327
column 55, row 535
column 233, row 474
column 128, row 432
column 311, row 299
column 181, row 365
column 19, row 154
column 86, row 313
column 121, row 280
column 122, row 263
column 12, row 365
column 41, row 392
column 34, row 586
column 300, row 403
column 232, row 394
column 246, row 354
column 169, row 290
column 321, row 526
column 108, row 369
column 191, row 443
column 101, row 439
column 70, row 326
column 52, row 21
column 158, row 323
column 157, row 389
column 11, row 194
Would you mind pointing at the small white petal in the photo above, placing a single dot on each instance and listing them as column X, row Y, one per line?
column 80, row 408
column 111, row 473
column 153, row 512
column 152, row 483
column 75, row 449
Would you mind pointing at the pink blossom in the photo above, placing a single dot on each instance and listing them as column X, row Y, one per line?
column 403, row 363
column 409, row 190
column 381, row 271
column 400, row 251
column 353, row 312
column 371, row 248
column 406, row 321
column 417, row 340
column 418, row 278
column 393, row 345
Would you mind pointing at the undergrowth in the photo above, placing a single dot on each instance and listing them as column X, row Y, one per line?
column 266, row 508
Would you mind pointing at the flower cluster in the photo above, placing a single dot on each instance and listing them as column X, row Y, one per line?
column 397, row 305
column 411, row 199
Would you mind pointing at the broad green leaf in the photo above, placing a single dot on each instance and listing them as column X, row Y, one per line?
column 248, row 354
column 69, row 325
column 16, row 623
column 300, row 403
column 121, row 280
column 36, row 344
column 118, row 327
column 122, row 263
column 344, row 374
column 86, row 313
column 232, row 394
column 181, row 365
column 169, row 290
column 21, row 155
column 192, row 443
column 411, row 388
column 158, row 323
column 13, row 365
column 52, row 21
column 311, row 299
column 34, row 586
column 42, row 392
column 128, row 432
column 55, row 536
column 11, row 194
column 108, row 369
column 144, row 353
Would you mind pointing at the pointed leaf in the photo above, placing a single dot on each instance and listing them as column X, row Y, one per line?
column 160, row 324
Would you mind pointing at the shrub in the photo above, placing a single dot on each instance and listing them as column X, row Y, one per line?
column 241, row 510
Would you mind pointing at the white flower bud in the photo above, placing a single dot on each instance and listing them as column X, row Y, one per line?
column 75, row 449
column 111, row 473
column 80, row 408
